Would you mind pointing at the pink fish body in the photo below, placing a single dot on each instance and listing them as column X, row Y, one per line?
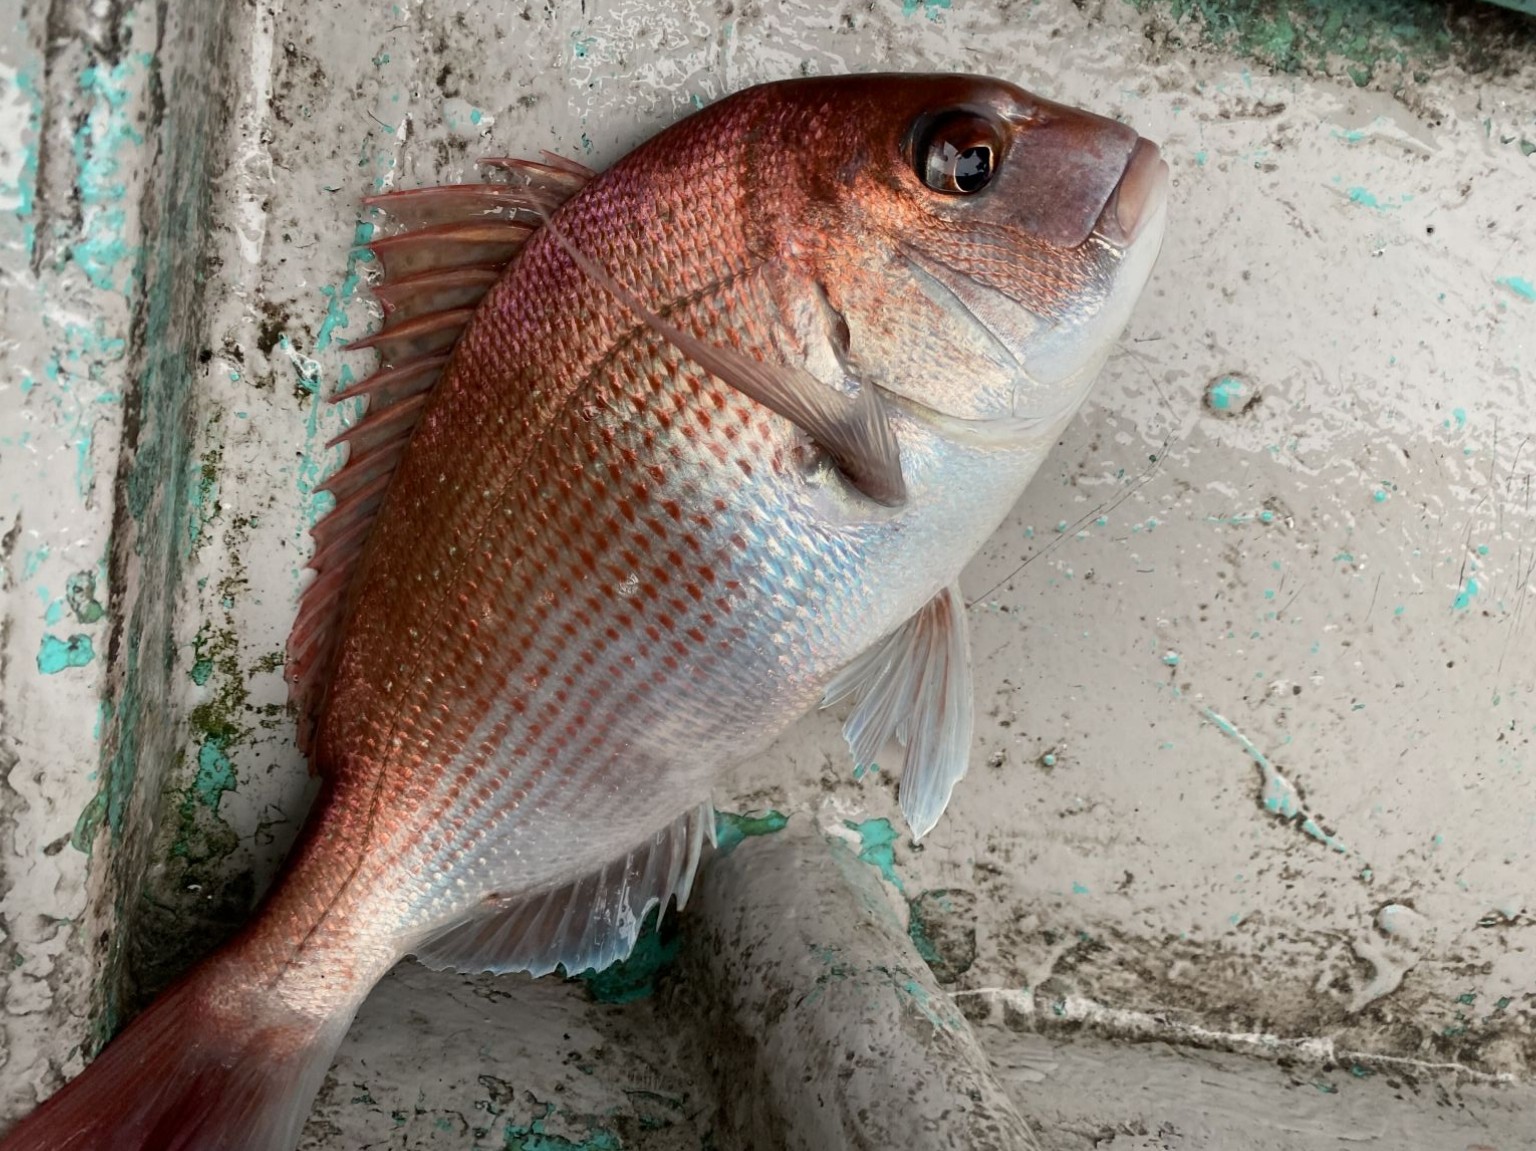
column 640, row 484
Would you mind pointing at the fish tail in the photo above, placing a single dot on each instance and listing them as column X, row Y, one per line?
column 208, row 1067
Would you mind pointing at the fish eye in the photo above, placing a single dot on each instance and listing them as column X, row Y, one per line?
column 958, row 153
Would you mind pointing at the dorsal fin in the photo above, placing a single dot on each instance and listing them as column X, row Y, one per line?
column 592, row 922
column 453, row 243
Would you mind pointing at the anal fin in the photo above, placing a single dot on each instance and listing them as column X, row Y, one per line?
column 590, row 923
column 915, row 686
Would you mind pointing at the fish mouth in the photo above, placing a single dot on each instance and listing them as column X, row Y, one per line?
column 1136, row 198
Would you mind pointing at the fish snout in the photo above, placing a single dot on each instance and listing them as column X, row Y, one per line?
column 1136, row 198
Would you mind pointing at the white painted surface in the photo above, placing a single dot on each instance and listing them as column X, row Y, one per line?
column 66, row 301
column 1243, row 599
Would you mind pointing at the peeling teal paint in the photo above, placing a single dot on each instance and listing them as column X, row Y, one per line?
column 1279, row 796
column 102, row 247
column 32, row 562
column 933, row 9
column 1468, row 592
column 336, row 309
column 534, row 1136
column 731, row 828
column 1358, row 195
column 80, row 594
column 1228, row 393
column 57, row 654
column 314, row 462
column 1519, row 285
column 876, row 838
column 83, row 835
column 215, row 774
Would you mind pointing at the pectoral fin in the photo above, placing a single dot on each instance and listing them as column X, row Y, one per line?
column 852, row 429
column 915, row 686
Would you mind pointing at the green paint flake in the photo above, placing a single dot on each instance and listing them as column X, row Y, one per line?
column 215, row 774
column 1519, row 285
column 80, row 594
column 57, row 654
column 1227, row 394
column 877, row 838
column 99, row 141
column 1465, row 597
column 731, row 828
column 84, row 834
column 1279, row 796
column 1367, row 199
column 336, row 305
column 917, row 931
column 534, row 1136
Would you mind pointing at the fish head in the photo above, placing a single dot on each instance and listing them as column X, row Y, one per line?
column 981, row 248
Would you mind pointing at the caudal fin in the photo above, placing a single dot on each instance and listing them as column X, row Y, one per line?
column 205, row 1068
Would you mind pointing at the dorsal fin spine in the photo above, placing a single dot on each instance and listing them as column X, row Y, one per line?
column 456, row 242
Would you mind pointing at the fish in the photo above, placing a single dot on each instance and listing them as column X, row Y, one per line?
column 655, row 462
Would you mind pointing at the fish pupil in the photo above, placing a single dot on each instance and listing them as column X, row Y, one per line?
column 973, row 168
column 957, row 154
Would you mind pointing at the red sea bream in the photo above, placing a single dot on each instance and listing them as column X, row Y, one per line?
column 656, row 461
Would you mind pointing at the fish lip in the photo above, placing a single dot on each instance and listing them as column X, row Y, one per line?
column 1136, row 198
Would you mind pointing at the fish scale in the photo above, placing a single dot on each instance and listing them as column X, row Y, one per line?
column 712, row 447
